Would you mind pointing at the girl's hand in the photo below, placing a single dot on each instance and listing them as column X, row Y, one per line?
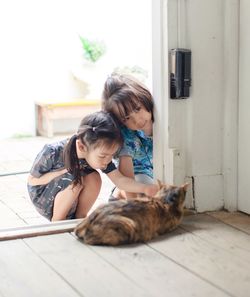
column 64, row 171
column 151, row 190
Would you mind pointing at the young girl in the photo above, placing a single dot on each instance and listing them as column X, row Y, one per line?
column 132, row 104
column 63, row 182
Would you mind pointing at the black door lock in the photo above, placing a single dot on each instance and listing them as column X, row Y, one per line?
column 180, row 73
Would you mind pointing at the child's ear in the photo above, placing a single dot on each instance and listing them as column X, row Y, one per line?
column 81, row 146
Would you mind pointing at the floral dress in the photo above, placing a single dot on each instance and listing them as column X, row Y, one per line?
column 139, row 147
column 50, row 159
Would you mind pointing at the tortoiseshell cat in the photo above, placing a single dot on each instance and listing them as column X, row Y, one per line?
column 134, row 220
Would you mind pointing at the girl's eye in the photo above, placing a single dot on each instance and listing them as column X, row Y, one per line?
column 138, row 109
column 125, row 119
column 101, row 157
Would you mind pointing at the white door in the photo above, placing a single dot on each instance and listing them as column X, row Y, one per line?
column 244, row 109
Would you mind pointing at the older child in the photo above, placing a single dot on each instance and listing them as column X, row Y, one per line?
column 63, row 182
column 132, row 104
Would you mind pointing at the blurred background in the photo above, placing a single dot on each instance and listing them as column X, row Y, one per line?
column 42, row 57
column 55, row 56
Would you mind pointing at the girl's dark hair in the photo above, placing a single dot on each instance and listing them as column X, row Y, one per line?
column 96, row 129
column 125, row 93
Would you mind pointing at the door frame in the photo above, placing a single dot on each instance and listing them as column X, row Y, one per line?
column 169, row 31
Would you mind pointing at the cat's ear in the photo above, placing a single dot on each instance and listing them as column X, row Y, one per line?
column 159, row 183
column 162, row 185
column 185, row 186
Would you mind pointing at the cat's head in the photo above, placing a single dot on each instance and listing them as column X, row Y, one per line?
column 172, row 195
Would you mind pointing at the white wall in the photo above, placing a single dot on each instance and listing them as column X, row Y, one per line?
column 201, row 135
column 244, row 109
column 39, row 45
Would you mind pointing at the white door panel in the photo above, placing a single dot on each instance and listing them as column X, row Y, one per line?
column 244, row 110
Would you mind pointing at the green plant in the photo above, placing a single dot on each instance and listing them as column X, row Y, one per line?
column 93, row 49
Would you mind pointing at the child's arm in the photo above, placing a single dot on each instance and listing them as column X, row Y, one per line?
column 130, row 185
column 126, row 167
column 45, row 178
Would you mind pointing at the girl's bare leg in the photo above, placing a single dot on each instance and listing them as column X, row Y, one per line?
column 92, row 186
column 64, row 201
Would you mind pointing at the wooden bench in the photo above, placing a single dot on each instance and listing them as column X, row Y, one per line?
column 47, row 113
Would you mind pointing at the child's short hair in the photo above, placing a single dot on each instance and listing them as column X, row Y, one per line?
column 125, row 93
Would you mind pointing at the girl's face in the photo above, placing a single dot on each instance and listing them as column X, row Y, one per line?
column 138, row 119
column 98, row 157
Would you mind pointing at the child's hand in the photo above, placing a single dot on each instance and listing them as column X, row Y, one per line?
column 64, row 171
column 151, row 190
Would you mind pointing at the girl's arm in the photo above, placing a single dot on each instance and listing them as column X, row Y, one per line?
column 126, row 168
column 130, row 185
column 45, row 178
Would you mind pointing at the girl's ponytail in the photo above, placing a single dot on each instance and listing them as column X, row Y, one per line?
column 71, row 160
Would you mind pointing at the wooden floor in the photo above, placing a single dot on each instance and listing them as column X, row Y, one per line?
column 208, row 255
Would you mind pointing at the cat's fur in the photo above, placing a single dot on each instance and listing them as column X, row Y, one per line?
column 134, row 220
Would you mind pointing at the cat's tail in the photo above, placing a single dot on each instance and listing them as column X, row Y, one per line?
column 113, row 230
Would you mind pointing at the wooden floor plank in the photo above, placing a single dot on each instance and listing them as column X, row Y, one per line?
column 208, row 255
column 86, row 271
column 156, row 273
column 217, row 266
column 23, row 274
column 238, row 220
column 220, row 234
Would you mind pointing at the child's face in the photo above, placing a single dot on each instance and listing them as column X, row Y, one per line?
column 101, row 156
column 139, row 119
